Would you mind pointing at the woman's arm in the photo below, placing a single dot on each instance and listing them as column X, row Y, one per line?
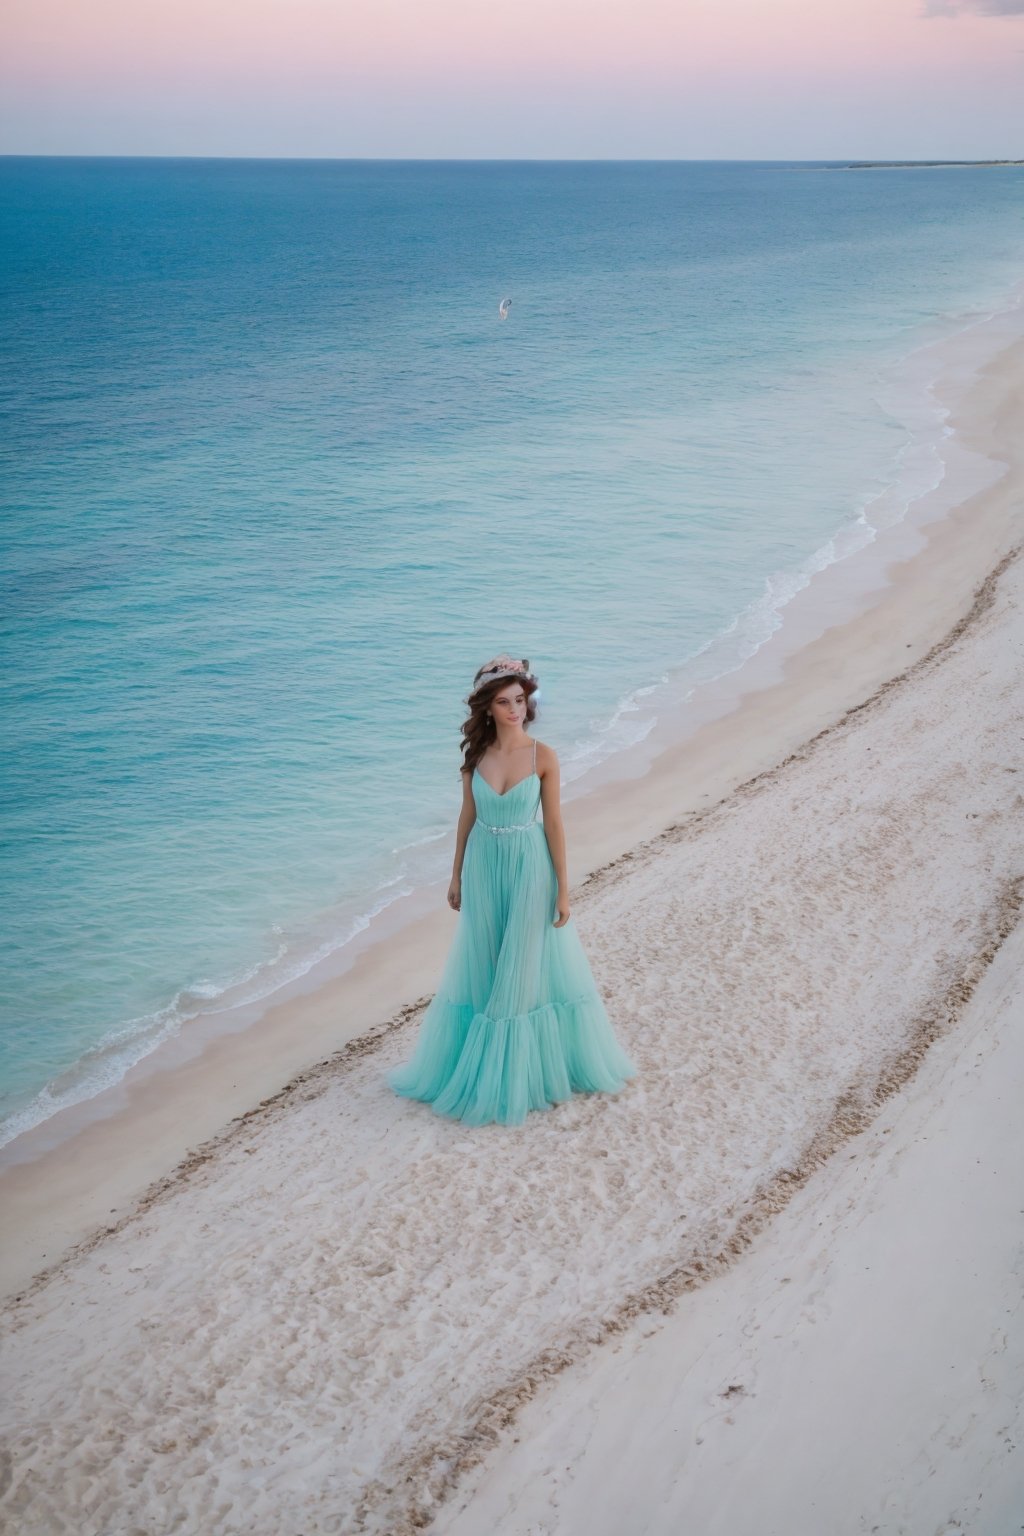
column 467, row 816
column 551, row 802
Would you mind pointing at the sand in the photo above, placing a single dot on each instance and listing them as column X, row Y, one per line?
column 337, row 1312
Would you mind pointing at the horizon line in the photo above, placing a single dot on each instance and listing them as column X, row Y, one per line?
column 516, row 159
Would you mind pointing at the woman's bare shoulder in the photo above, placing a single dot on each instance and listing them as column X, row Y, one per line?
column 547, row 757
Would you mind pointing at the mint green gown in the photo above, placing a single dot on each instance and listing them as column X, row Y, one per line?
column 517, row 1022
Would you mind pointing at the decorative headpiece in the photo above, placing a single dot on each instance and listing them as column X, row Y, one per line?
column 501, row 666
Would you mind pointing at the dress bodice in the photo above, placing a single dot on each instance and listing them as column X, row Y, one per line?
column 517, row 804
column 515, row 810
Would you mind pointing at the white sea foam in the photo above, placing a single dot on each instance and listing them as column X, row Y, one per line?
column 906, row 392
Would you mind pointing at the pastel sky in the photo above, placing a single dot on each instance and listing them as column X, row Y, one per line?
column 686, row 79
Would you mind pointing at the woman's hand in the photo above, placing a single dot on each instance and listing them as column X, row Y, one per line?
column 455, row 893
column 562, row 905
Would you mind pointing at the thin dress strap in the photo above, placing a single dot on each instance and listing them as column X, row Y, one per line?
column 535, row 757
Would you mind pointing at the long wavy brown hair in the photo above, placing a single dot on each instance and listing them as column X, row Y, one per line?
column 477, row 730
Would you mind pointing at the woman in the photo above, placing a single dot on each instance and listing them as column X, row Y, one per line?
column 517, row 1022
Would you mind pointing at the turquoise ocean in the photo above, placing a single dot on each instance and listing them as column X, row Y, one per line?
column 277, row 478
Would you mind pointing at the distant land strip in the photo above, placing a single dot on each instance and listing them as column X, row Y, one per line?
column 884, row 165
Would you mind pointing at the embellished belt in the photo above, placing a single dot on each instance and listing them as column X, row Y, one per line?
column 519, row 826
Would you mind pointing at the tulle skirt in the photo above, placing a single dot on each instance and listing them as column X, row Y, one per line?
column 517, row 1022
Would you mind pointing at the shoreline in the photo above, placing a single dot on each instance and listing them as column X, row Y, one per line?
column 60, row 1180
column 845, row 585
column 339, row 1303
column 839, row 579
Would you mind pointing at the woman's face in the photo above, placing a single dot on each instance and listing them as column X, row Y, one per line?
column 509, row 705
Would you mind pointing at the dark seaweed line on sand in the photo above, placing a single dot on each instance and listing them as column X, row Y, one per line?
column 420, row 1484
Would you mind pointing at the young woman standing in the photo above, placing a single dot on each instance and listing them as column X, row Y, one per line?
column 517, row 1022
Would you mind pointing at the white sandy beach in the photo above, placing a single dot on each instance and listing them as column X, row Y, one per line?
column 340, row 1313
